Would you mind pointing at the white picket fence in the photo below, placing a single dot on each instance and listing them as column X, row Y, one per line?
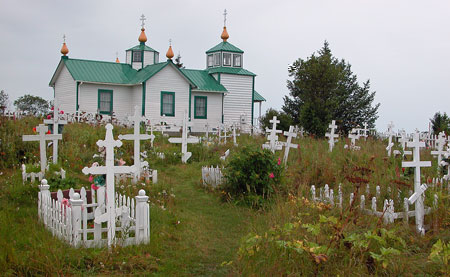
column 430, row 139
column 326, row 195
column 39, row 175
column 212, row 176
column 72, row 220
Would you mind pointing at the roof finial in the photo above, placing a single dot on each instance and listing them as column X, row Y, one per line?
column 117, row 57
column 224, row 35
column 142, row 36
column 64, row 49
column 169, row 53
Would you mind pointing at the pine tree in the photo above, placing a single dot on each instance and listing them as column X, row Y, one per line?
column 440, row 122
column 324, row 88
column 178, row 61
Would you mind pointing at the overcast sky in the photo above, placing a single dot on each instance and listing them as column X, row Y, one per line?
column 403, row 47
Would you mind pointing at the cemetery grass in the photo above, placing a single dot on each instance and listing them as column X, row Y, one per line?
column 195, row 232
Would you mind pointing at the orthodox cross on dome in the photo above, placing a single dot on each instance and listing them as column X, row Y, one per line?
column 143, row 20
column 64, row 38
column 170, row 42
column 225, row 18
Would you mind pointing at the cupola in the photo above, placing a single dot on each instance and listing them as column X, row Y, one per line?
column 64, row 49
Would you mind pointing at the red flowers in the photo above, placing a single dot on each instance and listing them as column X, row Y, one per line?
column 49, row 117
column 48, row 132
column 61, row 112
column 271, row 176
column 94, row 187
column 34, row 129
column 279, row 161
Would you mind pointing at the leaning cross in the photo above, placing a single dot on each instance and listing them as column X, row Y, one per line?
column 42, row 137
column 290, row 134
column 55, row 122
column 440, row 142
column 331, row 135
column 137, row 137
column 416, row 144
column 109, row 169
column 184, row 140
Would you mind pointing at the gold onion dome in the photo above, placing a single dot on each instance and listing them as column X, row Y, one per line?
column 117, row 60
column 169, row 53
column 224, row 35
column 142, row 36
column 64, row 49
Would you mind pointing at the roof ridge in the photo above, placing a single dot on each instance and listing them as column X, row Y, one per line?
column 84, row 60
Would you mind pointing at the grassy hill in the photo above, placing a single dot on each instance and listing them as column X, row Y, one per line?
column 194, row 231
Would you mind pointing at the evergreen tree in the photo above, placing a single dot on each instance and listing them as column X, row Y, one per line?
column 3, row 101
column 440, row 122
column 324, row 88
column 178, row 61
column 33, row 105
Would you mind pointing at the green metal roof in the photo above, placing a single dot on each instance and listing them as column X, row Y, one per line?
column 142, row 47
column 257, row 97
column 230, row 70
column 225, row 46
column 203, row 81
column 100, row 72
column 148, row 72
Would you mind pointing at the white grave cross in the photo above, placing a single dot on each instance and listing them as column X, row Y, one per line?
column 440, row 142
column 109, row 169
column 403, row 140
column 390, row 133
column 416, row 144
column 55, row 121
column 137, row 137
column 353, row 135
column 42, row 137
column 331, row 135
column 184, row 140
column 290, row 134
column 273, row 143
column 235, row 135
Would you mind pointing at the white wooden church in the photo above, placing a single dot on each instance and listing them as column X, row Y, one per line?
column 221, row 93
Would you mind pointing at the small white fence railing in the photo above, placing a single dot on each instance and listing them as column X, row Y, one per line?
column 72, row 220
column 212, row 176
column 326, row 195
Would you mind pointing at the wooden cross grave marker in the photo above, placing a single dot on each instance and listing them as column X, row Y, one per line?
column 440, row 143
column 42, row 137
column 353, row 135
column 55, row 122
column 185, row 139
column 416, row 163
column 331, row 135
column 403, row 140
column 273, row 144
column 137, row 137
column 223, row 128
column 109, row 169
column 235, row 135
column 364, row 131
column 390, row 133
column 290, row 134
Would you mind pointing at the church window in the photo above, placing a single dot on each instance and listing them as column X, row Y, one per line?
column 226, row 59
column 217, row 59
column 210, row 60
column 167, row 103
column 200, row 107
column 137, row 56
column 237, row 60
column 105, row 101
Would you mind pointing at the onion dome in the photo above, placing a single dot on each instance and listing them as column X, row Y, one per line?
column 169, row 53
column 224, row 35
column 142, row 36
column 117, row 60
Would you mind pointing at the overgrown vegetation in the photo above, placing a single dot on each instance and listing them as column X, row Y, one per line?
column 195, row 232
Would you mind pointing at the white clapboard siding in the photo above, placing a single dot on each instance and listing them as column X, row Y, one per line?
column 136, row 97
column 136, row 65
column 128, row 57
column 213, row 109
column 66, row 91
column 148, row 58
column 238, row 101
column 168, row 79
column 88, row 98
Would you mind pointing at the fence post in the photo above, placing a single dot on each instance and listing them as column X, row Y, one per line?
column 154, row 176
column 43, row 194
column 406, row 210
column 142, row 218
column 75, row 203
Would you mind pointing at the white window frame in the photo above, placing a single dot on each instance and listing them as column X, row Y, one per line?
column 217, row 59
column 230, row 59
column 210, row 60
column 234, row 60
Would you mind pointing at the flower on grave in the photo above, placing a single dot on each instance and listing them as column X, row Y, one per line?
column 403, row 169
column 271, row 176
column 48, row 132
column 122, row 162
column 34, row 129
column 52, row 108
column 279, row 161
column 100, row 180
column 61, row 112
column 49, row 117
column 65, row 202
column 94, row 187
column 91, row 178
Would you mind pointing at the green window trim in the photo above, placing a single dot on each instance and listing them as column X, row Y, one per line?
column 196, row 116
column 143, row 98
column 173, row 103
column 110, row 104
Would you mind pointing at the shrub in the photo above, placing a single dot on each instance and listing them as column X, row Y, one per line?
column 251, row 175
